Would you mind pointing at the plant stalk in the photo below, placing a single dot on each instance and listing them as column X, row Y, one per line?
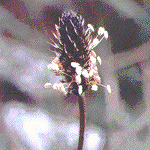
column 82, row 105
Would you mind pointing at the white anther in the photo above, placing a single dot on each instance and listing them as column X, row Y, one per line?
column 91, row 27
column 78, row 79
column 101, row 31
column 95, row 68
column 53, row 66
column 94, row 87
column 99, row 60
column 93, row 53
column 85, row 73
column 91, row 72
column 79, row 70
column 47, row 85
column 108, row 88
column 80, row 89
column 59, row 87
column 55, row 86
column 93, row 59
column 95, row 42
column 105, row 34
column 75, row 64
column 98, row 78
column 82, row 22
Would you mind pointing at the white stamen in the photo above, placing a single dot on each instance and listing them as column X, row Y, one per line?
column 78, row 79
column 47, row 85
column 105, row 34
column 101, row 31
column 82, row 22
column 95, row 68
column 91, row 72
column 85, row 73
column 93, row 59
column 99, row 60
column 98, row 78
column 80, row 89
column 64, row 91
column 108, row 88
column 59, row 87
column 53, row 66
column 94, row 87
column 79, row 70
column 90, row 27
column 55, row 86
column 93, row 53
column 75, row 64
column 95, row 42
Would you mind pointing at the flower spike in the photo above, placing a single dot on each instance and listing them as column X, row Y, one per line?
column 76, row 59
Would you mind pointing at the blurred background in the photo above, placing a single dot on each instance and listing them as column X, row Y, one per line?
column 32, row 117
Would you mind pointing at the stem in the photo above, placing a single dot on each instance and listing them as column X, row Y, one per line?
column 82, row 105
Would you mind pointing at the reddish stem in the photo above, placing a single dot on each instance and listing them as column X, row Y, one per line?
column 82, row 105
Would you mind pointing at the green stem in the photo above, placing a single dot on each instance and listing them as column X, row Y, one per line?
column 82, row 105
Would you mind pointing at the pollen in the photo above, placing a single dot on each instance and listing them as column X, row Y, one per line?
column 101, row 31
column 91, row 27
column 75, row 64
column 80, row 89
column 92, row 53
column 95, row 42
column 108, row 88
column 59, row 87
column 91, row 72
column 98, row 78
column 53, row 66
column 93, row 59
column 78, row 79
column 47, row 85
column 94, row 87
column 105, row 34
column 99, row 60
column 79, row 70
column 85, row 73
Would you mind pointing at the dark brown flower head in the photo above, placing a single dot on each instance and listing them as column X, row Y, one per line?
column 75, row 58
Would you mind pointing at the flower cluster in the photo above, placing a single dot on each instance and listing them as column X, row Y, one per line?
column 75, row 58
